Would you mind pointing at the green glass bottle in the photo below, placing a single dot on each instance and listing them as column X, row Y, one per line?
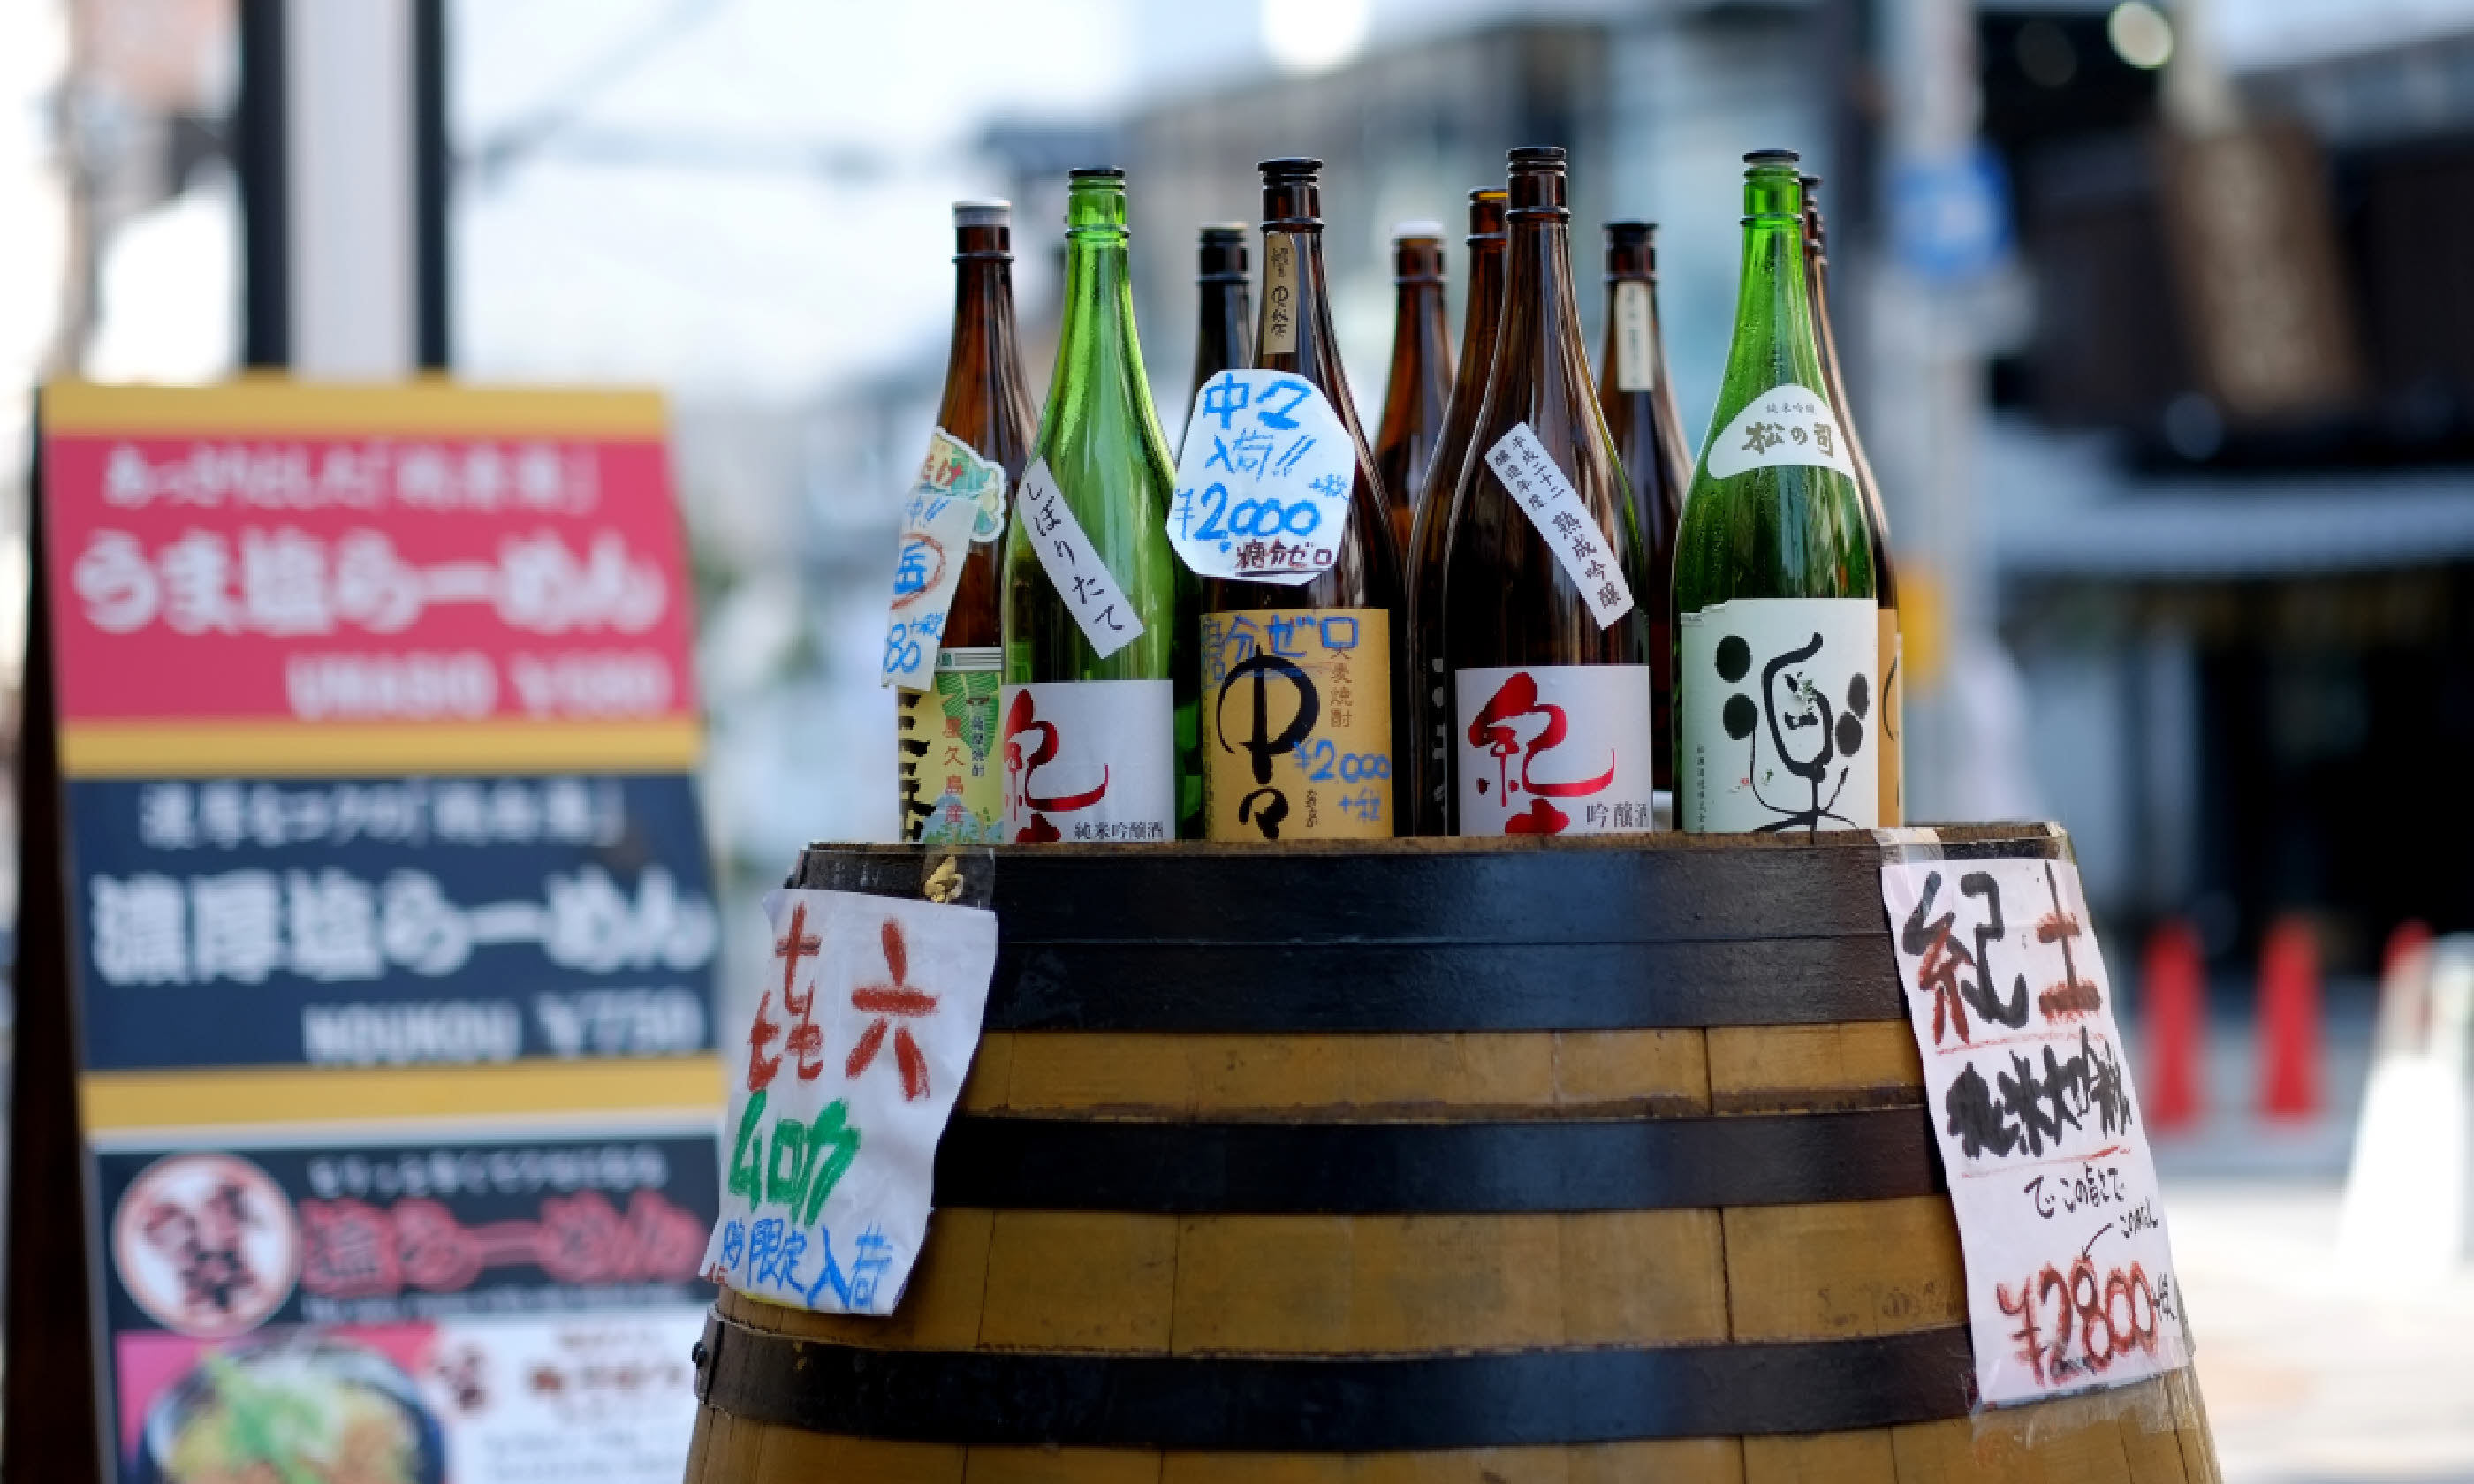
column 1775, row 618
column 1098, row 700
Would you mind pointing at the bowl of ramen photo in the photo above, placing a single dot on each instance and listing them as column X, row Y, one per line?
column 298, row 1410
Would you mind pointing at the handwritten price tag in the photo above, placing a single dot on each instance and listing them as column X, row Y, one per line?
column 862, row 1034
column 1555, row 509
column 2070, row 1279
column 1262, row 486
column 959, row 498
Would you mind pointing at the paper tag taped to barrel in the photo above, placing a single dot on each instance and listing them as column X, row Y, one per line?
column 2070, row 1278
column 841, row 1086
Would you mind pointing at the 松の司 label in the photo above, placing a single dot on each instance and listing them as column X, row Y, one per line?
column 1262, row 486
column 952, row 791
column 1786, row 425
column 1297, row 727
column 1779, row 717
column 1099, row 607
column 1554, row 750
column 948, row 509
column 1090, row 760
column 1635, row 367
column 1562, row 517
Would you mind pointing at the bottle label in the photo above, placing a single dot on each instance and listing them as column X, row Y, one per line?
column 1090, row 760
column 1893, row 689
column 1074, row 568
column 1262, row 485
column 1297, row 725
column 1279, row 293
column 957, row 498
column 1635, row 367
column 1786, row 425
column 1554, row 750
column 1779, row 716
column 951, row 789
column 1555, row 509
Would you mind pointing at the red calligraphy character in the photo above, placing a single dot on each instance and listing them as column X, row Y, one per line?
column 886, row 1001
column 1492, row 730
column 1021, row 721
column 807, row 1042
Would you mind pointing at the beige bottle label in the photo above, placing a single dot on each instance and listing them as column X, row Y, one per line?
column 952, row 791
column 1635, row 369
column 1893, row 688
column 1279, row 293
column 1297, row 725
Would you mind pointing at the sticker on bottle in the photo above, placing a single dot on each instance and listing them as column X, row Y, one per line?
column 1554, row 750
column 1074, row 568
column 1263, row 481
column 927, row 567
column 1090, row 760
column 1279, row 293
column 952, row 793
column 1779, row 717
column 1297, row 725
column 1571, row 533
column 1636, row 367
column 1786, row 425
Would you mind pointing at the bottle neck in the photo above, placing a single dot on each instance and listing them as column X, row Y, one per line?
column 1292, row 331
column 1097, row 353
column 1483, row 322
column 1419, row 323
column 986, row 358
column 1774, row 343
column 1540, row 335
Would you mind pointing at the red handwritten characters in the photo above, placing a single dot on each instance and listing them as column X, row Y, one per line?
column 886, row 1001
column 355, row 1250
column 1491, row 730
column 1022, row 721
column 2074, row 995
column 2097, row 1321
column 807, row 1039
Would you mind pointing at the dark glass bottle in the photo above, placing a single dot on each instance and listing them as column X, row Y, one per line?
column 1225, row 337
column 1419, row 391
column 1548, row 652
column 1889, row 684
column 952, row 787
column 1640, row 402
column 1099, row 728
column 1430, row 759
column 1300, row 701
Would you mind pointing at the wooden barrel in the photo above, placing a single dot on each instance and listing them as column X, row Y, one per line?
column 1468, row 1162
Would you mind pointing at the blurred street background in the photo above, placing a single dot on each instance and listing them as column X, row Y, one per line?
column 2161, row 325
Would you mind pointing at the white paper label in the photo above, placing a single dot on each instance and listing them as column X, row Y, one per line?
column 1279, row 293
column 1786, row 425
column 1262, row 487
column 1090, row 760
column 861, row 1036
column 1074, row 568
column 2070, row 1278
column 1779, row 717
column 1555, row 507
column 936, row 542
column 1554, row 750
column 1636, row 367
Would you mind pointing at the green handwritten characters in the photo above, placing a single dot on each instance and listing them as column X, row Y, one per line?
column 793, row 1164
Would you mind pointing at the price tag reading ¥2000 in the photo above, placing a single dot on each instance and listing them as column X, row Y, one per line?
column 1262, row 486
column 1555, row 509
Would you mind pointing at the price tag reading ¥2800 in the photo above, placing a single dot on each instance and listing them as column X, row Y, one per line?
column 1262, row 486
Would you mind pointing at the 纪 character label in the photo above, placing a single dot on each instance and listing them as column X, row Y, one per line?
column 1552, row 750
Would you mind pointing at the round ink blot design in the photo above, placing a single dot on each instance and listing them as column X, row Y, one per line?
column 1742, row 716
column 1734, row 661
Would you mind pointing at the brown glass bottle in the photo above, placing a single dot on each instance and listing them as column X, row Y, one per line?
column 1430, row 759
column 1639, row 400
column 1301, row 697
column 1550, row 707
column 1420, row 388
column 1890, row 684
column 952, row 784
column 1225, row 337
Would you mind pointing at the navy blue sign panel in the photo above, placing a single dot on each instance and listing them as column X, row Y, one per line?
column 389, row 922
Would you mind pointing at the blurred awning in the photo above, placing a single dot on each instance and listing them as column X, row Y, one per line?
column 2246, row 528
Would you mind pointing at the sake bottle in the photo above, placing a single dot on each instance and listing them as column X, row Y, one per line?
column 1639, row 401
column 1223, row 335
column 1420, row 390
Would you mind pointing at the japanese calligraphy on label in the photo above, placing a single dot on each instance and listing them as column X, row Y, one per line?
column 958, row 499
column 1555, row 509
column 1090, row 760
column 952, row 791
column 1298, row 724
column 1635, row 366
column 1779, row 727
column 1554, row 750
column 1786, row 425
column 1072, row 564
column 862, row 1034
column 2069, row 1277
column 1279, row 293
column 1262, row 487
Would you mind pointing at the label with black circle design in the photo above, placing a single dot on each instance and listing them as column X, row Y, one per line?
column 1779, row 717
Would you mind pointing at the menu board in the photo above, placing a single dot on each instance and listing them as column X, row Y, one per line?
column 369, row 940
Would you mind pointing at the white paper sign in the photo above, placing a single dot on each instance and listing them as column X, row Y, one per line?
column 2070, row 1279
column 861, row 1039
column 935, row 539
column 1555, row 509
column 1090, row 761
column 1074, row 568
column 1263, row 481
column 1786, row 425
column 1554, row 750
column 1780, row 726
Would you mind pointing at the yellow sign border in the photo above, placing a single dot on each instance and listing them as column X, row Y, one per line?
column 226, row 1096
column 262, row 405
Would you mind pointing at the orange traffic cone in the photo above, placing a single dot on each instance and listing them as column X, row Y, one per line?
column 2289, row 1021
column 2173, row 1017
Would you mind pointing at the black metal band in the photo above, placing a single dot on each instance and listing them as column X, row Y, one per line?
column 1368, row 1168
column 1337, row 1405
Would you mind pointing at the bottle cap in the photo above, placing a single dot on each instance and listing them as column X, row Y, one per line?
column 988, row 212
column 1290, row 168
column 1538, row 154
column 1772, row 158
column 1418, row 230
column 1631, row 232
column 1096, row 173
column 1216, row 234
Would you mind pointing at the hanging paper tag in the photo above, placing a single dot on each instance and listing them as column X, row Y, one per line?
column 2070, row 1278
column 862, row 1037
column 936, row 539
column 1074, row 568
column 1635, row 369
column 1786, row 425
column 1555, row 507
column 1262, row 488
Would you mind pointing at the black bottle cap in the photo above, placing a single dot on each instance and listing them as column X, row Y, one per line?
column 1772, row 158
column 1096, row 173
column 1630, row 233
column 1538, row 154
